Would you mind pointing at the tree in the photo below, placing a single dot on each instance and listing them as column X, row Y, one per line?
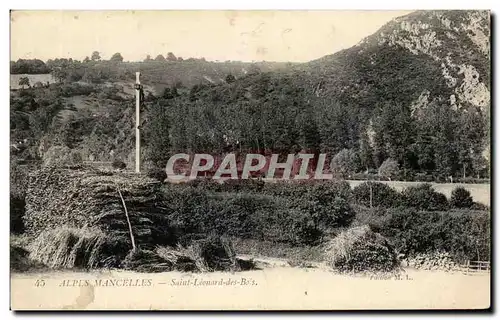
column 230, row 78
column 346, row 162
column 95, row 56
column 461, row 198
column 253, row 69
column 86, row 59
column 389, row 168
column 148, row 58
column 365, row 151
column 171, row 57
column 117, row 57
column 24, row 81
column 180, row 59
column 158, row 136
column 160, row 58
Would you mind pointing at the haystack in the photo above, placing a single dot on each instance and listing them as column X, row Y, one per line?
column 87, row 218
column 123, row 206
column 360, row 249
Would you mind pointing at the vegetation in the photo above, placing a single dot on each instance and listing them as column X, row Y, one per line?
column 359, row 106
column 360, row 249
column 461, row 198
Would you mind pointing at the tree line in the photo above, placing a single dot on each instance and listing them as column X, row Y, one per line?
column 37, row 66
column 265, row 113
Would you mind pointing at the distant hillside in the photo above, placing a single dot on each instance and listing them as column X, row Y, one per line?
column 159, row 74
column 417, row 91
column 422, row 56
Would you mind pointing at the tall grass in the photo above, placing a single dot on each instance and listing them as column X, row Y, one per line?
column 67, row 247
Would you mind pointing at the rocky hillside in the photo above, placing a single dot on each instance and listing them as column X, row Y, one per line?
column 419, row 57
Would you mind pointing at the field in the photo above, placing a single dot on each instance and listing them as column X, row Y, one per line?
column 271, row 288
column 479, row 192
column 34, row 78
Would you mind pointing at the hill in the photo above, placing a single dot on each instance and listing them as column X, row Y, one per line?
column 415, row 92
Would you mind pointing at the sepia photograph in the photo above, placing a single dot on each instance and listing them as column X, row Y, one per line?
column 250, row 160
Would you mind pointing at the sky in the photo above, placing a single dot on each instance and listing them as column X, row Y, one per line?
column 296, row 36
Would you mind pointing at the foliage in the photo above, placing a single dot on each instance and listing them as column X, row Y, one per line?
column 461, row 198
column 117, row 57
column 466, row 235
column 360, row 249
column 61, row 156
column 118, row 164
column 424, row 197
column 24, row 81
column 389, row 168
column 95, row 56
column 346, row 162
column 33, row 66
column 376, row 194
column 230, row 78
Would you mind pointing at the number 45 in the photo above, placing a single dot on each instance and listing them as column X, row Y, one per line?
column 40, row 283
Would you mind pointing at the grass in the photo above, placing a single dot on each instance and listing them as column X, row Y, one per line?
column 359, row 249
column 67, row 248
column 19, row 255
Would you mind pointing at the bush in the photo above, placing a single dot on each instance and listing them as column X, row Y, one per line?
column 62, row 156
column 461, row 198
column 424, row 197
column 360, row 249
column 381, row 195
column 389, row 168
column 19, row 176
column 157, row 173
column 190, row 209
column 473, row 180
column 464, row 234
column 17, row 209
column 327, row 190
column 301, row 229
column 327, row 214
column 237, row 215
column 118, row 164
column 346, row 162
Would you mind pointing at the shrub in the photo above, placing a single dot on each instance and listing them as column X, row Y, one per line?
column 62, row 156
column 17, row 209
column 346, row 162
column 464, row 234
column 329, row 214
column 326, row 204
column 473, row 180
column 118, row 164
column 381, row 195
column 479, row 206
column 327, row 190
column 461, row 198
column 236, row 215
column 157, row 173
column 301, row 229
column 360, row 249
column 389, row 168
column 424, row 197
column 190, row 210
column 18, row 186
